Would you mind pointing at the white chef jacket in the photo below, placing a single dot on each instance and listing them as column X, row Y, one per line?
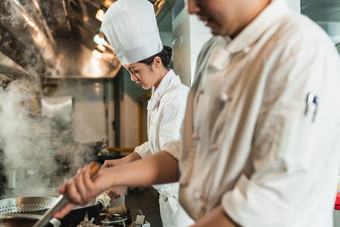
column 248, row 142
column 165, row 115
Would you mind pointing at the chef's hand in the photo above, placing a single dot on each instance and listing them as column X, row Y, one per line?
column 80, row 189
column 116, row 192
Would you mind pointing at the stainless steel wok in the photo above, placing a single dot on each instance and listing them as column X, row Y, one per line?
column 34, row 204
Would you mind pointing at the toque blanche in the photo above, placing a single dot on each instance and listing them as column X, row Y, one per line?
column 131, row 28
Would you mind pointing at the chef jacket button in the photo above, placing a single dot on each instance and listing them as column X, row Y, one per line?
column 183, row 182
column 246, row 50
column 203, row 206
column 213, row 147
column 195, row 136
column 197, row 195
column 201, row 91
column 224, row 97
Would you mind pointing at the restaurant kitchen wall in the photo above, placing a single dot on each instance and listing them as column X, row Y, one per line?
column 294, row 5
column 189, row 35
column 90, row 102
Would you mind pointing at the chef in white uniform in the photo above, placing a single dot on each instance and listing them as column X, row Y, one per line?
column 131, row 28
column 260, row 138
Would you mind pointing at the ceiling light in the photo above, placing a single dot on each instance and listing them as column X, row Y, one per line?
column 101, row 48
column 96, row 53
column 99, row 39
column 100, row 13
column 107, row 3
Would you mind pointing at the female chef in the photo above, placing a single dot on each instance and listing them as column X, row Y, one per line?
column 131, row 28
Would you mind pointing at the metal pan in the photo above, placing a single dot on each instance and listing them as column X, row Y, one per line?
column 19, row 220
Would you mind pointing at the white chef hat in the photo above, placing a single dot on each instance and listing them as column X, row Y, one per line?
column 131, row 28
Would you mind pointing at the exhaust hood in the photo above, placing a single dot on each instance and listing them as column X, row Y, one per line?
column 58, row 38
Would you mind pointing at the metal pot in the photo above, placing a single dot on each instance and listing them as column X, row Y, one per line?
column 15, row 177
column 19, row 220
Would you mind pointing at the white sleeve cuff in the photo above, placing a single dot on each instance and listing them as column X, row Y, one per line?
column 143, row 150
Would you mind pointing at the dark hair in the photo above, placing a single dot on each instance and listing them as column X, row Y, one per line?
column 165, row 56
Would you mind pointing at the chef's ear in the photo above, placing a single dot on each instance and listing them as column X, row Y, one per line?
column 157, row 62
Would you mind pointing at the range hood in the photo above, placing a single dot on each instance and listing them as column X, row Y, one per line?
column 55, row 38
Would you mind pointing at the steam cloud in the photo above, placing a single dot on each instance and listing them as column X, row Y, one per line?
column 35, row 150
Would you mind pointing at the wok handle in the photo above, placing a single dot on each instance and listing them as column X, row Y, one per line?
column 63, row 199
column 94, row 168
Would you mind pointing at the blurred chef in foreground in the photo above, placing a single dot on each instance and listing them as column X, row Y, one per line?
column 131, row 28
column 259, row 145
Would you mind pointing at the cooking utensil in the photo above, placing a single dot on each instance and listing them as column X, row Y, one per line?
column 34, row 204
column 63, row 199
column 109, row 219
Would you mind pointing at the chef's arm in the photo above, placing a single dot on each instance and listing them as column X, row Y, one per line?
column 156, row 169
column 217, row 217
column 114, row 162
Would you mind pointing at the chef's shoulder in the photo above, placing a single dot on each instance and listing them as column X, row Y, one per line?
column 297, row 33
column 175, row 93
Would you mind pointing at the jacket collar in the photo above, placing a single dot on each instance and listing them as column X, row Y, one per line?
column 257, row 27
column 161, row 89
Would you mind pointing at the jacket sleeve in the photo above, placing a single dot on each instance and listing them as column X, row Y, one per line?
column 143, row 150
column 172, row 148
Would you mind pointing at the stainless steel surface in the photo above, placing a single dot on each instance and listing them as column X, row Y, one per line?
column 61, row 202
column 54, row 38
column 112, row 219
column 26, row 204
column 15, row 177
column 58, row 108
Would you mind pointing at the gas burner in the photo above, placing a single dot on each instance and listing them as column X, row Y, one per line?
column 112, row 219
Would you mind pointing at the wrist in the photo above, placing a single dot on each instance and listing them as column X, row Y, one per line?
column 131, row 157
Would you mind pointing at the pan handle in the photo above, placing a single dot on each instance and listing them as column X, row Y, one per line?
column 94, row 168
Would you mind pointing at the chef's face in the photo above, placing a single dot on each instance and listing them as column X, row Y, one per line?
column 142, row 74
column 226, row 17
